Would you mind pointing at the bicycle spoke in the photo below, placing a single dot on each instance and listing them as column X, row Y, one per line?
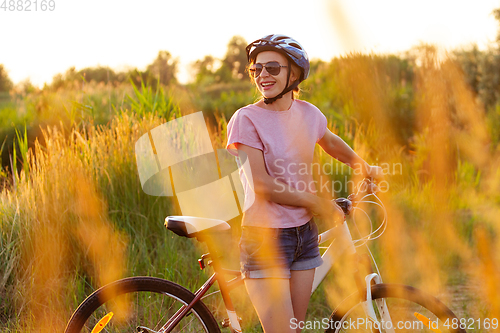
column 150, row 310
column 403, row 319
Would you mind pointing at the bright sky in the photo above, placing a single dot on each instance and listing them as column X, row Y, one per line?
column 120, row 33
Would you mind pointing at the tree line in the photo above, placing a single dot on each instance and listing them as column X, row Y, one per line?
column 162, row 70
column 481, row 69
column 221, row 86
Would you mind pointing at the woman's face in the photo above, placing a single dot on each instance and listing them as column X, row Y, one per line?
column 271, row 85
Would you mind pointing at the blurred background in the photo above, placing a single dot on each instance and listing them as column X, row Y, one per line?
column 413, row 87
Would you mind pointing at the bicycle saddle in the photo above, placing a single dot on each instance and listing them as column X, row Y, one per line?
column 190, row 226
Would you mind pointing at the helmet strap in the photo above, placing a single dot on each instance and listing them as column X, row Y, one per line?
column 286, row 90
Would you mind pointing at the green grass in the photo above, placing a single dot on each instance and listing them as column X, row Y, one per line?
column 75, row 205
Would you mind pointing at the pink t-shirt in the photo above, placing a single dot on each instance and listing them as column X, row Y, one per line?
column 287, row 139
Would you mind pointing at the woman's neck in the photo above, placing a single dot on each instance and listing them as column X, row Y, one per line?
column 282, row 104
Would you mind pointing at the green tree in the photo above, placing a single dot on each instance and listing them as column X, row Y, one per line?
column 471, row 62
column 204, row 70
column 496, row 13
column 234, row 62
column 232, row 67
column 482, row 69
column 5, row 81
column 97, row 74
column 164, row 68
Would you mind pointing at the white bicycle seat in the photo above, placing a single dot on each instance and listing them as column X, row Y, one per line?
column 190, row 226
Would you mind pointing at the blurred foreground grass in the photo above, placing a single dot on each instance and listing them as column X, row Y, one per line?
column 73, row 215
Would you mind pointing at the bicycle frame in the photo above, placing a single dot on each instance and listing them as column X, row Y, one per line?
column 342, row 241
column 224, row 287
column 341, row 244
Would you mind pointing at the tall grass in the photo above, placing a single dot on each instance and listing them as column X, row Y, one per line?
column 443, row 208
column 75, row 217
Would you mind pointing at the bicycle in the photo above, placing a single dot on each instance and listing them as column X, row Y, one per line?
column 164, row 306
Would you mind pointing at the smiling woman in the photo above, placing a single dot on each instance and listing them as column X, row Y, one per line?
column 278, row 247
column 272, row 53
column 268, row 76
column 273, row 68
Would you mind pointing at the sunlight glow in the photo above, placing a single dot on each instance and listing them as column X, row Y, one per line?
column 122, row 34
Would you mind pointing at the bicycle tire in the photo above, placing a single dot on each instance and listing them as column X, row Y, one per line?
column 402, row 302
column 155, row 300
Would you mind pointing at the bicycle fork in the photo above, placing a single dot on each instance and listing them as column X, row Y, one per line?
column 383, row 311
column 343, row 244
column 364, row 287
column 382, row 321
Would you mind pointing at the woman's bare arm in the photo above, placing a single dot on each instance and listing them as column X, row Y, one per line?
column 274, row 190
column 338, row 149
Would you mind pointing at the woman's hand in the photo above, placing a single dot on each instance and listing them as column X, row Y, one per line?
column 327, row 210
column 375, row 172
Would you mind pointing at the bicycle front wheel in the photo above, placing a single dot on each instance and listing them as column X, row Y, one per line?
column 409, row 310
column 140, row 302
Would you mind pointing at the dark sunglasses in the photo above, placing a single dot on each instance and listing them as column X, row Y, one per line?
column 272, row 67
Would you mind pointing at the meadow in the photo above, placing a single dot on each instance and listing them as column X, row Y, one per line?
column 73, row 216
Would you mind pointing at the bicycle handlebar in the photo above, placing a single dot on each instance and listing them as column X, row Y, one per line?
column 367, row 186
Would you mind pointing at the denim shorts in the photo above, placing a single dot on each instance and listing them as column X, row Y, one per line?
column 273, row 252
